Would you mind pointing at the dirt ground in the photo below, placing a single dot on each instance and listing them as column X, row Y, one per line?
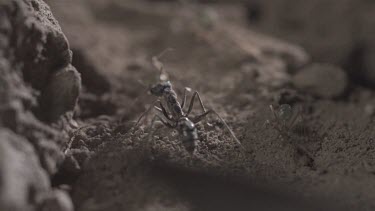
column 324, row 161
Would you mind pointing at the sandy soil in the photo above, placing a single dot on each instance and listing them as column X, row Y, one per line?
column 324, row 161
column 326, row 157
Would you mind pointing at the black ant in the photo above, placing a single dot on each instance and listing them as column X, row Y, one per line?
column 176, row 118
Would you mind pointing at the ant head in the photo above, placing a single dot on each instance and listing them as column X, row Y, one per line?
column 160, row 88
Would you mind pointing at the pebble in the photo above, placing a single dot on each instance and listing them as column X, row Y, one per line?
column 57, row 200
column 321, row 80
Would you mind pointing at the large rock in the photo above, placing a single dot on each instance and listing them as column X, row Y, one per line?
column 317, row 25
column 22, row 179
column 34, row 45
column 86, row 49
column 56, row 200
column 37, row 80
column 38, row 85
column 61, row 92
column 322, row 80
column 333, row 31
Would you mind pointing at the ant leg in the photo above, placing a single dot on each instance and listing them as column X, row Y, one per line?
column 164, row 111
column 156, row 117
column 275, row 115
column 158, row 109
column 279, row 125
column 196, row 94
column 184, row 98
column 146, row 112
column 200, row 117
column 295, row 117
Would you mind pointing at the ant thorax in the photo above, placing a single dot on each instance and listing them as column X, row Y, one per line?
column 161, row 88
column 174, row 106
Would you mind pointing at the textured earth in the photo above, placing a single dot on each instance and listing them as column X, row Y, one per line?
column 75, row 77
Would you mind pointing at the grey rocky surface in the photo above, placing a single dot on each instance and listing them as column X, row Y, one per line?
column 38, row 87
column 22, row 180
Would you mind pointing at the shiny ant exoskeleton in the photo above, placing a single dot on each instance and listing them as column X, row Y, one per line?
column 175, row 117
column 284, row 118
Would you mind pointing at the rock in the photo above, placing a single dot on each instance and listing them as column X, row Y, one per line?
column 272, row 59
column 22, row 179
column 61, row 93
column 37, row 49
column 369, row 110
column 51, row 156
column 325, row 36
column 87, row 57
column 16, row 102
column 37, row 85
column 20, row 102
column 81, row 154
column 321, row 80
column 71, row 166
column 95, row 79
column 57, row 200
column 36, row 40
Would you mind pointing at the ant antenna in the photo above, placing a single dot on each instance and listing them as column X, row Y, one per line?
column 159, row 65
column 164, row 52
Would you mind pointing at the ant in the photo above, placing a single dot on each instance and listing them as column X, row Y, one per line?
column 175, row 117
column 285, row 118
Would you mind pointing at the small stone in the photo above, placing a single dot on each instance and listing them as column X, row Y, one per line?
column 57, row 200
column 22, row 178
column 61, row 93
column 370, row 109
column 71, row 165
column 322, row 80
column 81, row 155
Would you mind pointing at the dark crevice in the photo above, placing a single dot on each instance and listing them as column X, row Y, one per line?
column 254, row 12
column 355, row 64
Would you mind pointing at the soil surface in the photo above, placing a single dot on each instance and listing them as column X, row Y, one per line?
column 315, row 151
